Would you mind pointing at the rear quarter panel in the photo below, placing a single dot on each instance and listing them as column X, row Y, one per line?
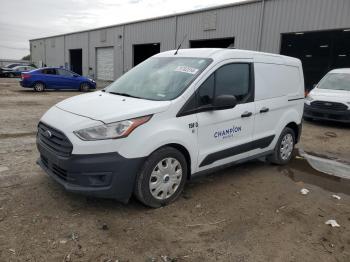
column 279, row 87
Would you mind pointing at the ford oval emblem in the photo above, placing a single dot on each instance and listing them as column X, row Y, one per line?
column 48, row 134
column 327, row 104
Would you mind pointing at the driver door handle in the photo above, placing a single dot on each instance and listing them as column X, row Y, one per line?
column 246, row 114
column 264, row 110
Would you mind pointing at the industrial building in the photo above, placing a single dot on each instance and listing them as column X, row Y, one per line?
column 316, row 31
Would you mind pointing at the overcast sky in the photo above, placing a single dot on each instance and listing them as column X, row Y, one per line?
column 21, row 20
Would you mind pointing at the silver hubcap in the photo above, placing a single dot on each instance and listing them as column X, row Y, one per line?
column 286, row 146
column 85, row 87
column 165, row 178
column 39, row 87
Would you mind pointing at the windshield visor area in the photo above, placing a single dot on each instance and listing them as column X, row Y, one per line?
column 159, row 78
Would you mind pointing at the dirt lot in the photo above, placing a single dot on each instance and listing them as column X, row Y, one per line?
column 251, row 212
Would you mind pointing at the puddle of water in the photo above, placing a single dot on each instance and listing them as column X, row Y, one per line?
column 310, row 175
column 329, row 165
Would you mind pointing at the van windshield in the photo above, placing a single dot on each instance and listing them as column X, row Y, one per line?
column 159, row 78
column 335, row 81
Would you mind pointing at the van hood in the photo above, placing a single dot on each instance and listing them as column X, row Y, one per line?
column 109, row 108
column 333, row 95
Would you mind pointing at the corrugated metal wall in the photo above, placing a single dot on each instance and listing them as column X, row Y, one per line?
column 37, row 49
column 156, row 31
column 283, row 16
column 54, row 49
column 78, row 41
column 109, row 37
column 243, row 22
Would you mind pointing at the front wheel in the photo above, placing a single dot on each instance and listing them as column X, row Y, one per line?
column 84, row 87
column 284, row 147
column 162, row 178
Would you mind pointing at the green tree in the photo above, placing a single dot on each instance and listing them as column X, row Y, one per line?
column 27, row 57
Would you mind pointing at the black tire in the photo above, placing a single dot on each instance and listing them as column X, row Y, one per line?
column 84, row 87
column 142, row 189
column 39, row 87
column 277, row 156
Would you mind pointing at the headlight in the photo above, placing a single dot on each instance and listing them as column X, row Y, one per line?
column 309, row 98
column 111, row 131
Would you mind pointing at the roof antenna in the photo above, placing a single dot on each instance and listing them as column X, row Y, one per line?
column 180, row 45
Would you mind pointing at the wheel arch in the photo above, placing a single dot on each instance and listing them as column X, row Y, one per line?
column 38, row 81
column 183, row 151
column 297, row 130
column 85, row 82
column 291, row 118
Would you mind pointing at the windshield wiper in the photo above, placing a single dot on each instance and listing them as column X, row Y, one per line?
column 123, row 94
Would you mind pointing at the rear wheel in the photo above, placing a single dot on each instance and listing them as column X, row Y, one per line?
column 284, row 147
column 162, row 178
column 39, row 87
column 84, row 87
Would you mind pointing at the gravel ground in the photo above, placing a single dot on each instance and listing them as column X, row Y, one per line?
column 251, row 212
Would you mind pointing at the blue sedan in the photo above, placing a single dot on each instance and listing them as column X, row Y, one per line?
column 56, row 78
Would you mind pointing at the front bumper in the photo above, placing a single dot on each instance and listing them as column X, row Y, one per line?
column 323, row 114
column 106, row 175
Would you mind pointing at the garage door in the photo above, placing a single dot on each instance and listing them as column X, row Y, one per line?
column 105, row 63
column 319, row 51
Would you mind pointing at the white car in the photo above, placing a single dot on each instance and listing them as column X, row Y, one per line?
column 172, row 117
column 330, row 99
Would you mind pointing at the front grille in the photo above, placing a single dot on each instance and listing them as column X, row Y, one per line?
column 45, row 161
column 54, row 140
column 329, row 105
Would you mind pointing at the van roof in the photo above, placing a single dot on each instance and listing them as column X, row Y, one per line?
column 341, row 71
column 227, row 53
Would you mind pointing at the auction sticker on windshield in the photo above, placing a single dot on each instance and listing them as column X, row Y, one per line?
column 186, row 69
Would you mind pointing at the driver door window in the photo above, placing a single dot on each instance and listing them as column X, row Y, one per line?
column 230, row 79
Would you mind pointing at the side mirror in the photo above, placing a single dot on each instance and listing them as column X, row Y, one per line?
column 224, row 102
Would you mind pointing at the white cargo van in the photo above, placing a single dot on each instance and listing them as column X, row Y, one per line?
column 330, row 99
column 170, row 118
